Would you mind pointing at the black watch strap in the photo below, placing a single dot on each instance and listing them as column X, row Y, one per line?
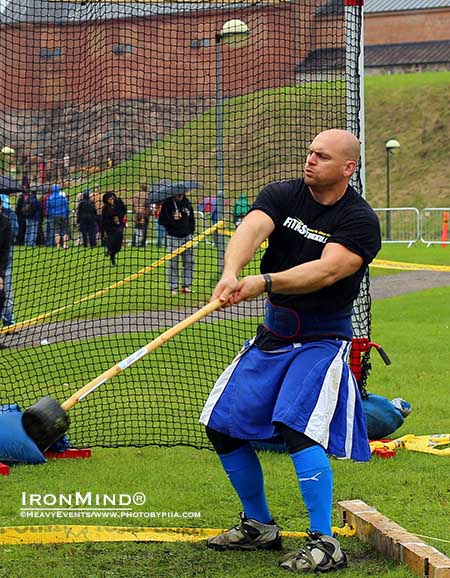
column 268, row 282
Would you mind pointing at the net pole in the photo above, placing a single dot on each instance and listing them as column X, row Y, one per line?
column 354, row 81
column 220, row 162
column 362, row 110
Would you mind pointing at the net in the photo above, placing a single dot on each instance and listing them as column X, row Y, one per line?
column 145, row 100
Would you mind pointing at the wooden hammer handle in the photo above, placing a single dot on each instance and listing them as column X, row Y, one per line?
column 140, row 353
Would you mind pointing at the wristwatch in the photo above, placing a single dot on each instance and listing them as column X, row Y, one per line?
column 268, row 282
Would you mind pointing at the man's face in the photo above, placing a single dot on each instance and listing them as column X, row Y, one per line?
column 326, row 164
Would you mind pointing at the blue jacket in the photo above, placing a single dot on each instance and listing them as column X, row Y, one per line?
column 13, row 221
column 29, row 206
column 57, row 204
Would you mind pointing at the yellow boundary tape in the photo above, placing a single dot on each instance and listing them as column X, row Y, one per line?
column 101, row 292
column 71, row 534
column 382, row 264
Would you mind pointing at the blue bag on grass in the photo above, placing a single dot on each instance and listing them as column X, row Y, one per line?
column 16, row 447
column 384, row 416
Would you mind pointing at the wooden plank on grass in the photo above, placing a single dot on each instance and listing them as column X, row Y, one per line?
column 394, row 541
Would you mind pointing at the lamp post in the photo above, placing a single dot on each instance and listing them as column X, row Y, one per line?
column 233, row 32
column 391, row 146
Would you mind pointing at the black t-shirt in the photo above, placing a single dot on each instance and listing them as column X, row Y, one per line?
column 303, row 227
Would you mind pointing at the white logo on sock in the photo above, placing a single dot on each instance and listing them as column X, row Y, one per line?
column 314, row 478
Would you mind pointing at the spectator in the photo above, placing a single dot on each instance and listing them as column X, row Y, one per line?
column 20, row 239
column 141, row 213
column 5, row 247
column 87, row 220
column 66, row 166
column 177, row 216
column 112, row 230
column 7, row 312
column 240, row 209
column 97, row 199
column 4, row 199
column 58, row 211
column 29, row 208
column 49, row 228
column 121, row 211
column 161, row 233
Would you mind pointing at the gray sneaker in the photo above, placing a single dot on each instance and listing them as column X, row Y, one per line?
column 320, row 554
column 248, row 535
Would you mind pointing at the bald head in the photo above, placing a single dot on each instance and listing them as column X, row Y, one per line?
column 343, row 142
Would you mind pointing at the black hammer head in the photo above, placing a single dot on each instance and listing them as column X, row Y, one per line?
column 45, row 422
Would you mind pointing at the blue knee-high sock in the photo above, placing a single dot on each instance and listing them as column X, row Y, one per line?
column 315, row 478
column 244, row 472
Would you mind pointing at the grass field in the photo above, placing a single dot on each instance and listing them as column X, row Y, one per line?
column 62, row 278
column 412, row 488
column 419, row 253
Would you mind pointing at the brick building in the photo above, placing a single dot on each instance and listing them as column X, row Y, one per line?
column 406, row 35
column 71, row 53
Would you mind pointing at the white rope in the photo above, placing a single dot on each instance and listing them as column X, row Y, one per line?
column 431, row 538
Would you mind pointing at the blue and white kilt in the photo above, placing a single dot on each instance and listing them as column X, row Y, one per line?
column 308, row 387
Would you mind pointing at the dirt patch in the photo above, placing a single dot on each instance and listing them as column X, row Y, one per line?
column 407, row 282
column 380, row 288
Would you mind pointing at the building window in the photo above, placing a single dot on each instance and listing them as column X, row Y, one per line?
column 200, row 43
column 123, row 49
column 46, row 52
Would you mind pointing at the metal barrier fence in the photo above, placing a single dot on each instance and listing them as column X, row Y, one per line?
column 434, row 228
column 409, row 225
column 400, row 225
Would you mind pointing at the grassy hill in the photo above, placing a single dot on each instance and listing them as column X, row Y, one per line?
column 266, row 136
column 415, row 110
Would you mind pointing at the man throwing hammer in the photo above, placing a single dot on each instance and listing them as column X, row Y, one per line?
column 292, row 378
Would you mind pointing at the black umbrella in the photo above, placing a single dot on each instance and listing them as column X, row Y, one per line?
column 165, row 189
column 9, row 185
column 40, row 188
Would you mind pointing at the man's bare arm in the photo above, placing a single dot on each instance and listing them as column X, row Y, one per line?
column 336, row 262
column 253, row 230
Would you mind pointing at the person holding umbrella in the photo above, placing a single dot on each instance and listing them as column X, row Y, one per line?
column 177, row 216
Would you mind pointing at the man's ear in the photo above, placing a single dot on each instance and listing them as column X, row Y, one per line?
column 350, row 167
